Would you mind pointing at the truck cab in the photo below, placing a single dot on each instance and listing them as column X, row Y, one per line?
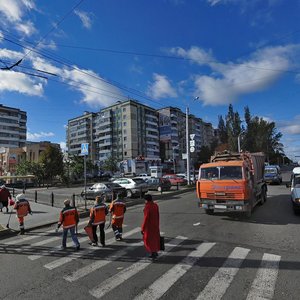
column 295, row 189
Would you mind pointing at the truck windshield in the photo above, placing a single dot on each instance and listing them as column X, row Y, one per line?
column 222, row 173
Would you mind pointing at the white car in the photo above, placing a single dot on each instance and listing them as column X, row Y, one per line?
column 134, row 186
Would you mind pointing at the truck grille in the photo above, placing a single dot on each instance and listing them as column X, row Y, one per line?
column 224, row 196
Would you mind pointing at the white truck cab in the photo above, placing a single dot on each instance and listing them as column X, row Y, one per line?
column 295, row 189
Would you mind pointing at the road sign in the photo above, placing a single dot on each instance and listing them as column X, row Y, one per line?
column 84, row 149
column 192, row 136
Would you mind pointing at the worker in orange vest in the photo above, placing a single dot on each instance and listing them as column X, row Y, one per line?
column 69, row 219
column 97, row 218
column 23, row 208
column 117, row 209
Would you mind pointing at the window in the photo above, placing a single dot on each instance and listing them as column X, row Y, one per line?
column 124, row 123
column 125, row 138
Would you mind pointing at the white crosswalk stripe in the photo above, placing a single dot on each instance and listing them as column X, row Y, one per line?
column 264, row 283
column 127, row 273
column 61, row 261
column 163, row 283
column 217, row 286
column 99, row 264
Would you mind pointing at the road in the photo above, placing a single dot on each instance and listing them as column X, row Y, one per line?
column 221, row 256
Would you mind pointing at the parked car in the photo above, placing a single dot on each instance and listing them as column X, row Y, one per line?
column 159, row 184
column 110, row 189
column 134, row 186
column 272, row 174
column 174, row 179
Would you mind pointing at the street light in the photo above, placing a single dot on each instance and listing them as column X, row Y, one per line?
column 188, row 144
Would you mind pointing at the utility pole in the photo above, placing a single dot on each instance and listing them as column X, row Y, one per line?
column 187, row 146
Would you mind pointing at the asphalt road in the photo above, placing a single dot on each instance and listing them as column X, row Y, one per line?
column 221, row 256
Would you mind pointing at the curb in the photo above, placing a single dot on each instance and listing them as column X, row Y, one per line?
column 83, row 214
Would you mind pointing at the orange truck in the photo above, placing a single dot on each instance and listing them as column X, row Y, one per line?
column 232, row 182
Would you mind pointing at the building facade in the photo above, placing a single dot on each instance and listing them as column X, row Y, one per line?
column 127, row 131
column 12, row 127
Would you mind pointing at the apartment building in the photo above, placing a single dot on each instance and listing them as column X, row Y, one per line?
column 172, row 127
column 79, row 131
column 12, row 127
column 127, row 131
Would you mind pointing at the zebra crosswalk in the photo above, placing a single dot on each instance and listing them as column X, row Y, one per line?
column 168, row 270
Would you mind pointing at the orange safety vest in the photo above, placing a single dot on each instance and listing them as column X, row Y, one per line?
column 68, row 217
column 98, row 213
column 118, row 209
column 23, row 208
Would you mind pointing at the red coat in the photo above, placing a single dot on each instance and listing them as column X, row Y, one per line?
column 150, row 227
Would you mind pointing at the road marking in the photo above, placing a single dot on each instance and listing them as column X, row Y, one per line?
column 63, row 260
column 114, row 281
column 263, row 285
column 27, row 238
column 99, row 264
column 218, row 284
column 163, row 283
column 196, row 224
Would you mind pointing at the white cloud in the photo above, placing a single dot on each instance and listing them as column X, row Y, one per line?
column 96, row 91
column 291, row 127
column 63, row 146
column 39, row 136
column 85, row 18
column 11, row 81
column 161, row 87
column 230, row 80
column 11, row 15
column 26, row 28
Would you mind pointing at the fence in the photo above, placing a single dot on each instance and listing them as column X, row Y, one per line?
column 57, row 199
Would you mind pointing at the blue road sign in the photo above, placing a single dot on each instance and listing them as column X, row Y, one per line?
column 84, row 149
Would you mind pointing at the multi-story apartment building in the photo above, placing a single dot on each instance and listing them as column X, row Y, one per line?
column 127, row 131
column 172, row 126
column 79, row 131
column 12, row 127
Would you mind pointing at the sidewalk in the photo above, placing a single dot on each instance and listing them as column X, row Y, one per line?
column 45, row 215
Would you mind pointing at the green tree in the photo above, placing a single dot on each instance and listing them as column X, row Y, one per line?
column 233, row 128
column 31, row 168
column 110, row 164
column 222, row 130
column 51, row 160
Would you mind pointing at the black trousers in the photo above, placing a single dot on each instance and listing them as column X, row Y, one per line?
column 102, row 233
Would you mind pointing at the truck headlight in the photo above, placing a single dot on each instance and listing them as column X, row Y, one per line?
column 297, row 200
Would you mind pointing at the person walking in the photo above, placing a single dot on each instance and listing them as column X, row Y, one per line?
column 97, row 218
column 69, row 219
column 117, row 209
column 5, row 196
column 150, row 227
column 22, row 208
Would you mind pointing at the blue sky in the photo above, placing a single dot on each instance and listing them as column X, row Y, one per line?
column 160, row 52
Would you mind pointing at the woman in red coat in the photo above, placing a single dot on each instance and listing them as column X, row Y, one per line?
column 150, row 227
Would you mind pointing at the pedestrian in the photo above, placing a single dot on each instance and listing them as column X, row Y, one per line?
column 117, row 209
column 150, row 227
column 22, row 208
column 69, row 219
column 5, row 196
column 97, row 218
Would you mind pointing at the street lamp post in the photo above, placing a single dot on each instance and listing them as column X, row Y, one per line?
column 187, row 146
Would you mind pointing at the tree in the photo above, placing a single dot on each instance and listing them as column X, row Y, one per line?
column 51, row 160
column 31, row 168
column 233, row 128
column 222, row 130
column 110, row 164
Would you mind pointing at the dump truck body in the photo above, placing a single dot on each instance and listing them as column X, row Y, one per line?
column 232, row 182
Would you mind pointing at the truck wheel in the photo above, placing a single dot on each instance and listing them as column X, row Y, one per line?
column 263, row 196
column 209, row 211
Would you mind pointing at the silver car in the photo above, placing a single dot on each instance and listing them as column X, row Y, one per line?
column 134, row 186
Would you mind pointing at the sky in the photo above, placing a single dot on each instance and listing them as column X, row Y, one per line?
column 161, row 53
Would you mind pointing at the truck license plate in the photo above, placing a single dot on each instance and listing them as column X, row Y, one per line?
column 221, row 206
